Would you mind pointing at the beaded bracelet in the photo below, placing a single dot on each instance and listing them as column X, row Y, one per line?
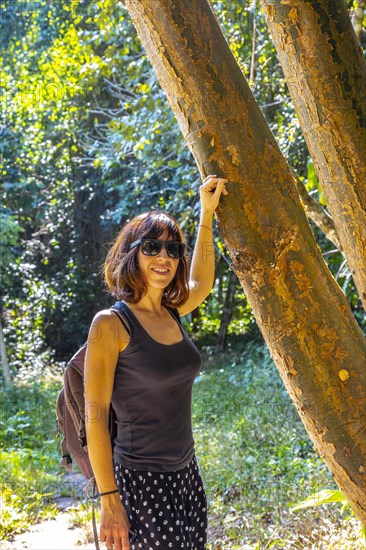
column 206, row 226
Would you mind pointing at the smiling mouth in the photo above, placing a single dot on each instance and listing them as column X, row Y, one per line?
column 162, row 271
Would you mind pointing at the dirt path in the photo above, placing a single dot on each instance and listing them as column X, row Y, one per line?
column 55, row 534
column 58, row 533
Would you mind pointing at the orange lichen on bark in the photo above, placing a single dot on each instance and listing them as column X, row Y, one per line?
column 303, row 281
column 340, row 354
column 224, row 162
column 329, row 339
column 285, row 241
column 290, row 365
column 293, row 16
column 343, row 375
column 235, row 159
column 270, row 11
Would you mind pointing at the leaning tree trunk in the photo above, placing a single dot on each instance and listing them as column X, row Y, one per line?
column 326, row 75
column 304, row 316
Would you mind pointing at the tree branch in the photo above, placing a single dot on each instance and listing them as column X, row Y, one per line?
column 317, row 214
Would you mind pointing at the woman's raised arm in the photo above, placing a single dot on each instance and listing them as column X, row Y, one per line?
column 202, row 272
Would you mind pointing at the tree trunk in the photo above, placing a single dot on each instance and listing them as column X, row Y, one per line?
column 304, row 316
column 3, row 357
column 326, row 75
column 226, row 312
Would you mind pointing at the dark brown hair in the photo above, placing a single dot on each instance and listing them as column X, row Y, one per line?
column 121, row 269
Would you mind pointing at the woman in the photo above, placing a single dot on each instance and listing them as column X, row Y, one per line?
column 146, row 365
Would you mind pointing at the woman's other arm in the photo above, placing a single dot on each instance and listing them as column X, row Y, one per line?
column 107, row 338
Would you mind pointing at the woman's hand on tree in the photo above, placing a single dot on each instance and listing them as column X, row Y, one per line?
column 210, row 192
column 114, row 524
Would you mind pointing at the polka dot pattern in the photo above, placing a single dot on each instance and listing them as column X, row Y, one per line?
column 165, row 509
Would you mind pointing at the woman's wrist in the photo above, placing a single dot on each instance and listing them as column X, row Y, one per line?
column 105, row 489
column 110, row 502
column 206, row 226
column 206, row 219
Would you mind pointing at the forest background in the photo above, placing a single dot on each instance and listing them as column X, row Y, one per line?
column 87, row 142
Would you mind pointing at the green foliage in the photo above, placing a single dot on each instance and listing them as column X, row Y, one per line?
column 28, row 454
column 320, row 498
column 211, row 311
column 327, row 496
column 235, row 412
column 67, row 182
column 10, row 232
column 313, row 184
column 88, row 141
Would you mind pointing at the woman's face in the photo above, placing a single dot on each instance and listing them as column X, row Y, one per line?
column 158, row 271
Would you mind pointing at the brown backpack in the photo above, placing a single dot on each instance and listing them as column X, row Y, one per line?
column 70, row 411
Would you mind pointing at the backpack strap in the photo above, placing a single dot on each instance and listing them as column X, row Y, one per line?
column 121, row 317
column 77, row 360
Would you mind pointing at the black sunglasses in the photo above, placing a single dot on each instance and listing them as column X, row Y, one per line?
column 152, row 247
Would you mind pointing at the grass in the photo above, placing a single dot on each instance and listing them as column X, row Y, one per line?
column 254, row 453
column 28, row 454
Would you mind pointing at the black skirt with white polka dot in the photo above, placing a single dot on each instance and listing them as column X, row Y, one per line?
column 165, row 509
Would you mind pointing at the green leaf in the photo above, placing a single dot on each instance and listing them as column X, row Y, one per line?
column 363, row 536
column 312, row 177
column 279, row 543
column 319, row 498
column 173, row 163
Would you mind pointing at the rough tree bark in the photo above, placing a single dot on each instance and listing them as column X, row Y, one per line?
column 304, row 316
column 326, row 75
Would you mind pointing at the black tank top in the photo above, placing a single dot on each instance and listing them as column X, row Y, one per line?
column 151, row 397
